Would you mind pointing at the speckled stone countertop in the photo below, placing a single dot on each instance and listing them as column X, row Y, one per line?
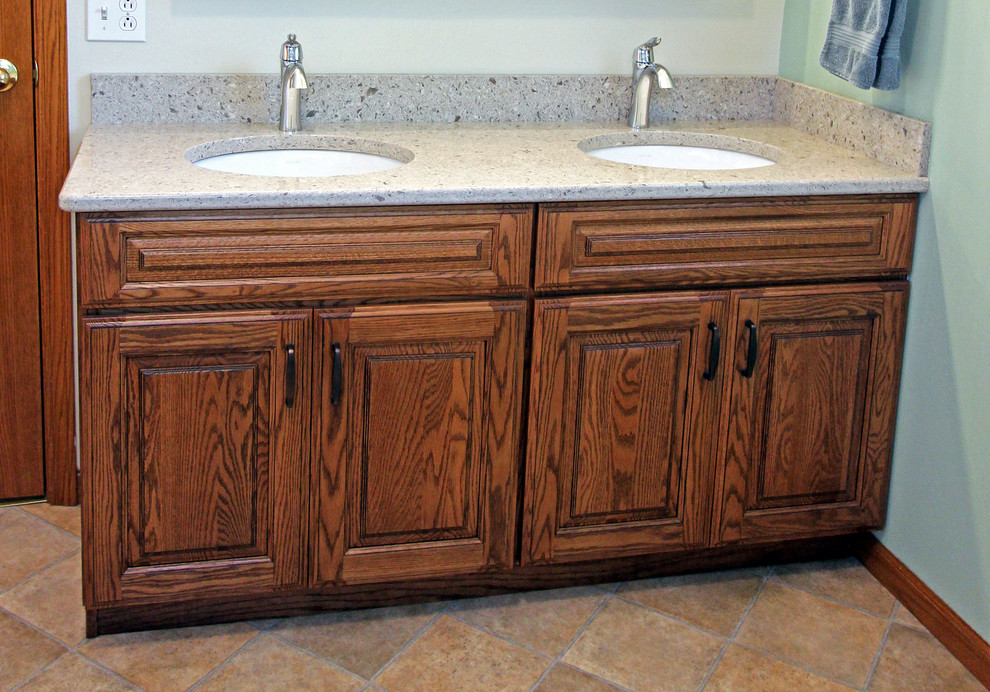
column 138, row 166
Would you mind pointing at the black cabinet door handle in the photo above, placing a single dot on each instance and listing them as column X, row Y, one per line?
column 751, row 351
column 290, row 374
column 714, row 350
column 336, row 377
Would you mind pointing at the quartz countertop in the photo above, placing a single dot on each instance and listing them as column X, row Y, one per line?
column 128, row 167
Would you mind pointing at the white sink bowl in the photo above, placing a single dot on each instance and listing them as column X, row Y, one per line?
column 298, row 156
column 685, row 151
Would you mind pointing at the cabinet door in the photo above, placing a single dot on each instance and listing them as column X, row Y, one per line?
column 809, row 427
column 194, row 450
column 621, row 426
column 417, row 445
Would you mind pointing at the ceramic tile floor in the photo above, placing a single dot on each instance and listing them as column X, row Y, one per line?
column 820, row 626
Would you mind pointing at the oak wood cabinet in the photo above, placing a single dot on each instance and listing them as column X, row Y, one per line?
column 622, row 426
column 807, row 427
column 416, row 447
column 195, row 445
column 289, row 410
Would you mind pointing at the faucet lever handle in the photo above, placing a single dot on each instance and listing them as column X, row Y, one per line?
column 643, row 55
column 291, row 50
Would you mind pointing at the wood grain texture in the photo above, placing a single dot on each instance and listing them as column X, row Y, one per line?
column 194, row 468
column 51, row 122
column 941, row 620
column 620, row 443
column 676, row 243
column 275, row 255
column 199, row 611
column 807, row 440
column 417, row 462
column 22, row 472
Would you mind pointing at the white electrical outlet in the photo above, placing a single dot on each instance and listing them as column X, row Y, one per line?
column 115, row 20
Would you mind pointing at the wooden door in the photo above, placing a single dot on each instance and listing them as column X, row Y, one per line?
column 21, row 447
column 621, row 425
column 416, row 451
column 194, row 450
column 810, row 421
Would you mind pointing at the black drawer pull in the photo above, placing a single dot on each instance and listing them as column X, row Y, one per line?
column 337, row 376
column 290, row 374
column 751, row 351
column 714, row 350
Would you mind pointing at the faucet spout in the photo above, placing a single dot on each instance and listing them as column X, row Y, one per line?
column 647, row 74
column 292, row 83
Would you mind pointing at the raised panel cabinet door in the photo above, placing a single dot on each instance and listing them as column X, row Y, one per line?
column 810, row 420
column 195, row 448
column 623, row 407
column 417, row 442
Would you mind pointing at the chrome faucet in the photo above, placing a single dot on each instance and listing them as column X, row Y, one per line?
column 293, row 81
column 646, row 73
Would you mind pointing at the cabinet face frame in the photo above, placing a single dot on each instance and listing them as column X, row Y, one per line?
column 862, row 326
column 239, row 358
column 614, row 344
column 476, row 348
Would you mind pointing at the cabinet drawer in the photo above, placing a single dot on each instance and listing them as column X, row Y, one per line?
column 209, row 257
column 701, row 242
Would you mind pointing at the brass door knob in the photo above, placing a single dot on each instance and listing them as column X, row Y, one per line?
column 8, row 75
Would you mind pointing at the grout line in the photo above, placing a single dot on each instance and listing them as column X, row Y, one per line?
column 412, row 640
column 835, row 600
column 54, row 562
column 735, row 630
column 883, row 644
column 38, row 629
column 52, row 524
column 315, row 655
column 41, row 670
column 505, row 638
column 225, row 661
column 105, row 669
column 577, row 635
column 676, row 619
column 611, row 684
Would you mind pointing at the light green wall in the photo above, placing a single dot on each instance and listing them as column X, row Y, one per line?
column 939, row 514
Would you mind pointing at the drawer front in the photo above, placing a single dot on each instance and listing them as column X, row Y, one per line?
column 206, row 257
column 698, row 242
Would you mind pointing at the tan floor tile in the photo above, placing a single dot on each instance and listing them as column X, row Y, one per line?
column 66, row 518
column 904, row 616
column 744, row 670
column 566, row 679
column 643, row 650
column 362, row 641
column 713, row 600
column 52, row 601
column 453, row 656
column 23, row 651
column 814, row 633
column 268, row 664
column 843, row 580
column 28, row 544
column 71, row 673
column 545, row 621
column 168, row 659
column 915, row 660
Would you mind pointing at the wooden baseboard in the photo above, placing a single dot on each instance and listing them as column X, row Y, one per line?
column 934, row 613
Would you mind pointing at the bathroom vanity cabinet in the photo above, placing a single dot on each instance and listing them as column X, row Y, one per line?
column 287, row 410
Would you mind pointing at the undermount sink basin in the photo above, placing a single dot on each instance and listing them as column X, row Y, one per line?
column 685, row 151
column 298, row 156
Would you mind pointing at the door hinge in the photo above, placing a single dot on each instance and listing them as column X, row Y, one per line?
column 36, row 73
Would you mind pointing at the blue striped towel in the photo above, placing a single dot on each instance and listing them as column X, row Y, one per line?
column 863, row 44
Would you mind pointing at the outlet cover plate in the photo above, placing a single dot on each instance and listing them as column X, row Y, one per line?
column 115, row 20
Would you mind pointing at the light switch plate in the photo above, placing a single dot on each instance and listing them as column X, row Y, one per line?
column 115, row 20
